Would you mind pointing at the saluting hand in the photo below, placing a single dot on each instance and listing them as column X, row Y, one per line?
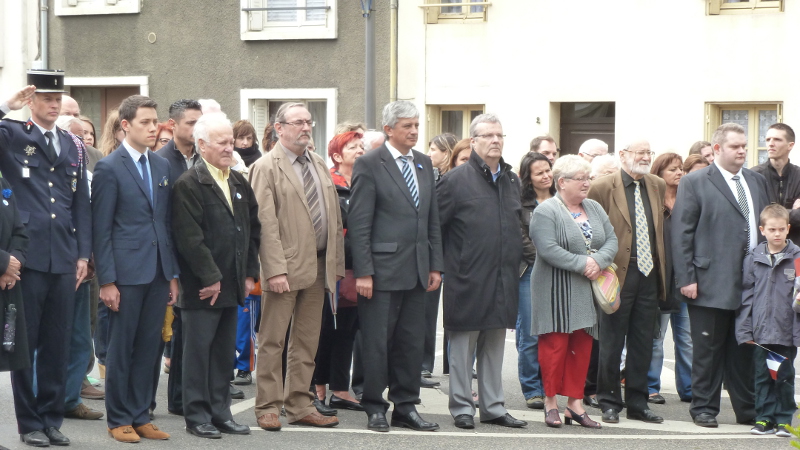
column 210, row 291
column 21, row 97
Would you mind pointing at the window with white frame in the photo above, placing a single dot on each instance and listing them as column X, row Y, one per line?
column 743, row 6
column 288, row 19
column 93, row 7
column 755, row 118
column 260, row 105
column 438, row 11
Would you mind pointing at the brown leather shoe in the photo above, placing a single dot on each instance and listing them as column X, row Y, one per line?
column 92, row 393
column 83, row 412
column 102, row 369
column 315, row 419
column 269, row 422
column 124, row 433
column 150, row 431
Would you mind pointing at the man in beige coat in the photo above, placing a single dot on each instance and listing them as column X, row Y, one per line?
column 302, row 257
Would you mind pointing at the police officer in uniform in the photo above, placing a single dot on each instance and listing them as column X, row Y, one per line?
column 48, row 175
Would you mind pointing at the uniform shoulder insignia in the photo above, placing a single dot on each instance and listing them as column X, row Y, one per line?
column 26, row 126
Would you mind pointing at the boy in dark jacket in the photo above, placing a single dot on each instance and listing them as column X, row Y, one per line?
column 766, row 318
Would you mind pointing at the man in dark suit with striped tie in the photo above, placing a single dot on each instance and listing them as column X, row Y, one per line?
column 393, row 225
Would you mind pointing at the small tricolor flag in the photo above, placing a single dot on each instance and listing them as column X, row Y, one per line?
column 774, row 361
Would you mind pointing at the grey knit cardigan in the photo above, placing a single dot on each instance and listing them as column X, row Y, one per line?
column 561, row 296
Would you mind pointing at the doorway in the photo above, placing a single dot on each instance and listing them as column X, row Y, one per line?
column 581, row 121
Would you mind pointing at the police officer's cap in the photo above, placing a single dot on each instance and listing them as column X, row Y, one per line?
column 47, row 80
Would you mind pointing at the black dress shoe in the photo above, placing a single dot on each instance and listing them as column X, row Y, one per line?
column 506, row 421
column 426, row 374
column 55, row 436
column 591, row 401
column 414, row 421
column 177, row 412
column 426, row 383
column 324, row 409
column 464, row 421
column 645, row 415
column 705, row 420
column 204, row 430
column 35, row 439
column 236, row 394
column 341, row 403
column 656, row 399
column 377, row 422
column 231, row 427
column 610, row 416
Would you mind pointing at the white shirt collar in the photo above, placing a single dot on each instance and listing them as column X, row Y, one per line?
column 396, row 153
column 727, row 175
column 43, row 129
column 135, row 155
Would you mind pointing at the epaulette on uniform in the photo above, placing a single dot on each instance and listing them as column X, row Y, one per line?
column 27, row 126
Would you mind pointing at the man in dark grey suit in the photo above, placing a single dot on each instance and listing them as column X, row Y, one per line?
column 393, row 225
column 714, row 227
column 137, row 268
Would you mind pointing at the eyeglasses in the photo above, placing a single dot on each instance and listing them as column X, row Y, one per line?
column 300, row 123
column 580, row 180
column 499, row 137
column 641, row 152
column 164, row 141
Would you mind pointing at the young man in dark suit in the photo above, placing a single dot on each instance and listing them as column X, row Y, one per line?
column 136, row 264
column 715, row 225
column 47, row 173
column 397, row 255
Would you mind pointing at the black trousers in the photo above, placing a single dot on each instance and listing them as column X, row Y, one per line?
column 335, row 350
column 209, row 340
column 431, row 317
column 716, row 357
column 49, row 307
column 393, row 329
column 175, row 383
column 634, row 321
column 133, row 349
column 357, row 381
column 157, row 373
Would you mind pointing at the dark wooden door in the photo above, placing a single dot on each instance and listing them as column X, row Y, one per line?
column 583, row 121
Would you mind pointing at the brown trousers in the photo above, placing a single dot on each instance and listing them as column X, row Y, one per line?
column 303, row 309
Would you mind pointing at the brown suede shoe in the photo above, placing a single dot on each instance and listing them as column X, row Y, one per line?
column 269, row 422
column 150, row 431
column 315, row 419
column 124, row 433
column 92, row 393
column 83, row 412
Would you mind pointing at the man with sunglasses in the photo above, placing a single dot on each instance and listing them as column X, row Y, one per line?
column 634, row 202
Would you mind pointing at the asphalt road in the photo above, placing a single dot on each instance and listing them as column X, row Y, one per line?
column 676, row 432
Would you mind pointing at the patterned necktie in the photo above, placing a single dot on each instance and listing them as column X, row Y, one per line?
column 742, row 197
column 409, row 177
column 146, row 178
column 51, row 148
column 644, row 256
column 311, row 195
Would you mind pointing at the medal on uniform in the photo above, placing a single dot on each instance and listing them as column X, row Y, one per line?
column 74, row 184
column 30, row 151
column 26, row 172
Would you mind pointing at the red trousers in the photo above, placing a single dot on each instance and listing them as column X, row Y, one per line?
column 564, row 361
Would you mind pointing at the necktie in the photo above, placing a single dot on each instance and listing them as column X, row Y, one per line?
column 146, row 178
column 311, row 196
column 409, row 177
column 644, row 255
column 51, row 149
column 742, row 198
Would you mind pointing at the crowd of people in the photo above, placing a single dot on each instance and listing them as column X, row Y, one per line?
column 234, row 262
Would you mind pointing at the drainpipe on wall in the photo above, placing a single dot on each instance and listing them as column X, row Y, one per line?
column 393, row 50
column 42, row 35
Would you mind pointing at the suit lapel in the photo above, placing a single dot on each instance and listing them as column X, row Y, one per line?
column 719, row 181
column 134, row 171
column 286, row 167
column 155, row 178
column 423, row 183
column 391, row 166
column 655, row 200
column 204, row 176
column 66, row 142
column 618, row 193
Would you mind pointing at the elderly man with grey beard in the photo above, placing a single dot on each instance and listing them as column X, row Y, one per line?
column 479, row 210
column 634, row 202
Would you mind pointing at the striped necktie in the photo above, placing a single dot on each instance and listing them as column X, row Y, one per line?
column 644, row 254
column 742, row 198
column 409, row 177
column 311, row 195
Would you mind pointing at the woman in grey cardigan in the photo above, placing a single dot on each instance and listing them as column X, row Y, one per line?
column 574, row 241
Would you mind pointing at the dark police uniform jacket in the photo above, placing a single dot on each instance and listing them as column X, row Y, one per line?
column 53, row 199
